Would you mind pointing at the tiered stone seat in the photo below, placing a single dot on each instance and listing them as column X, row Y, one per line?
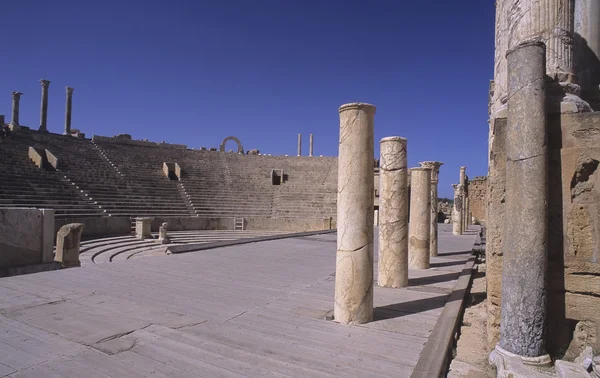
column 22, row 184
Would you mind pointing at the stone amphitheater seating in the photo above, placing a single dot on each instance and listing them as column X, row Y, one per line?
column 111, row 177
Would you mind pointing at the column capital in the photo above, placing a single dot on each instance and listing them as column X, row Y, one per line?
column 358, row 106
column 45, row 83
column 463, row 169
column 69, row 90
column 16, row 95
column 435, row 169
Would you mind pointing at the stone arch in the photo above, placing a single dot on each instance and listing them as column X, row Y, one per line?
column 236, row 140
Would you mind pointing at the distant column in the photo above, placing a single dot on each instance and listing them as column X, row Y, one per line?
column 354, row 258
column 393, row 217
column 456, row 210
column 310, row 145
column 420, row 218
column 68, row 110
column 44, row 105
column 522, row 330
column 435, row 174
column 463, row 182
column 299, row 144
column 16, row 98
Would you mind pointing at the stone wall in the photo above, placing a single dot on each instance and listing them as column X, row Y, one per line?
column 477, row 197
column 26, row 236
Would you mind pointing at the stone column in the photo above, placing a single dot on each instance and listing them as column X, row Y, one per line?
column 456, row 210
column 299, row 144
column 587, row 49
column 16, row 98
column 310, row 145
column 420, row 218
column 551, row 21
column 354, row 258
column 499, row 99
column 435, row 173
column 467, row 213
column 68, row 110
column 44, row 105
column 522, row 330
column 393, row 221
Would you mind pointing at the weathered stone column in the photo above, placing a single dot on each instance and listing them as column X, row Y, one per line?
column 354, row 258
column 393, row 218
column 16, row 98
column 420, row 218
column 435, row 174
column 551, row 21
column 310, row 145
column 467, row 213
column 587, row 49
column 522, row 330
column 68, row 110
column 456, row 209
column 299, row 144
column 44, row 105
column 499, row 99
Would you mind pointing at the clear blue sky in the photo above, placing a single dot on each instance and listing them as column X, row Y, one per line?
column 194, row 72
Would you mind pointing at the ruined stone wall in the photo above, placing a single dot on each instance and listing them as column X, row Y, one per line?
column 477, row 197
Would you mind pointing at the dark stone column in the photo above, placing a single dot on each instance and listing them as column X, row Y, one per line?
column 44, row 105
column 522, row 330
column 16, row 98
column 68, row 110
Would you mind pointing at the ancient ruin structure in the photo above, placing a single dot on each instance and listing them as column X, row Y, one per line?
column 477, row 196
column 354, row 259
column 163, row 238
column 393, row 214
column 419, row 230
column 14, row 121
column 68, row 106
column 299, row 144
column 435, row 174
column 68, row 241
column 44, row 105
column 457, row 209
column 310, row 145
column 240, row 148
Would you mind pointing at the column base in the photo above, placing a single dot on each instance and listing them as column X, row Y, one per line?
column 500, row 352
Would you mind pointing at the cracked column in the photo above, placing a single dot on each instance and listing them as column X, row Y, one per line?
column 435, row 174
column 456, row 209
column 522, row 330
column 68, row 110
column 299, row 144
column 354, row 258
column 44, row 105
column 420, row 218
column 310, row 145
column 14, row 120
column 393, row 214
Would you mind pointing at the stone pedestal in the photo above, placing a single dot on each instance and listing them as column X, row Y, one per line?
column 456, row 209
column 162, row 234
column 354, row 258
column 393, row 217
column 420, row 218
column 142, row 228
column 16, row 99
column 522, row 329
column 435, row 173
column 68, row 105
column 68, row 241
column 44, row 105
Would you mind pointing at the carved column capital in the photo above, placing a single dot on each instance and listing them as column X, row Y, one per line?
column 45, row 83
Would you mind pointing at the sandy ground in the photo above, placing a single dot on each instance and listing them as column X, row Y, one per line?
column 471, row 356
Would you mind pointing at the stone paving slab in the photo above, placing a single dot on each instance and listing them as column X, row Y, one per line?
column 248, row 310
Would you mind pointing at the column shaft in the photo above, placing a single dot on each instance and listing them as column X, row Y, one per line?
column 68, row 105
column 522, row 330
column 456, row 210
column 393, row 216
column 435, row 173
column 44, row 105
column 16, row 98
column 299, row 144
column 354, row 258
column 310, row 145
column 420, row 218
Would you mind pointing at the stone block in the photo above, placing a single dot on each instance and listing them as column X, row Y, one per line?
column 566, row 369
column 142, row 228
column 47, row 235
column 68, row 242
column 22, row 238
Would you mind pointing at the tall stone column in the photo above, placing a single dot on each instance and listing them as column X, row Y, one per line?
column 44, row 105
column 467, row 212
column 420, row 218
column 299, row 144
column 435, row 174
column 462, row 180
column 310, row 145
column 68, row 105
column 16, row 98
column 354, row 257
column 456, row 209
column 550, row 21
column 522, row 330
column 499, row 99
column 393, row 217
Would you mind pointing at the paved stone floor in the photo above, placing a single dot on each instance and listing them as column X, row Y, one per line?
column 249, row 310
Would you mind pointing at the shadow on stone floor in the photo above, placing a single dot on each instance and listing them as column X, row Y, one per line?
column 407, row 308
column 449, row 263
column 433, row 279
column 442, row 254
